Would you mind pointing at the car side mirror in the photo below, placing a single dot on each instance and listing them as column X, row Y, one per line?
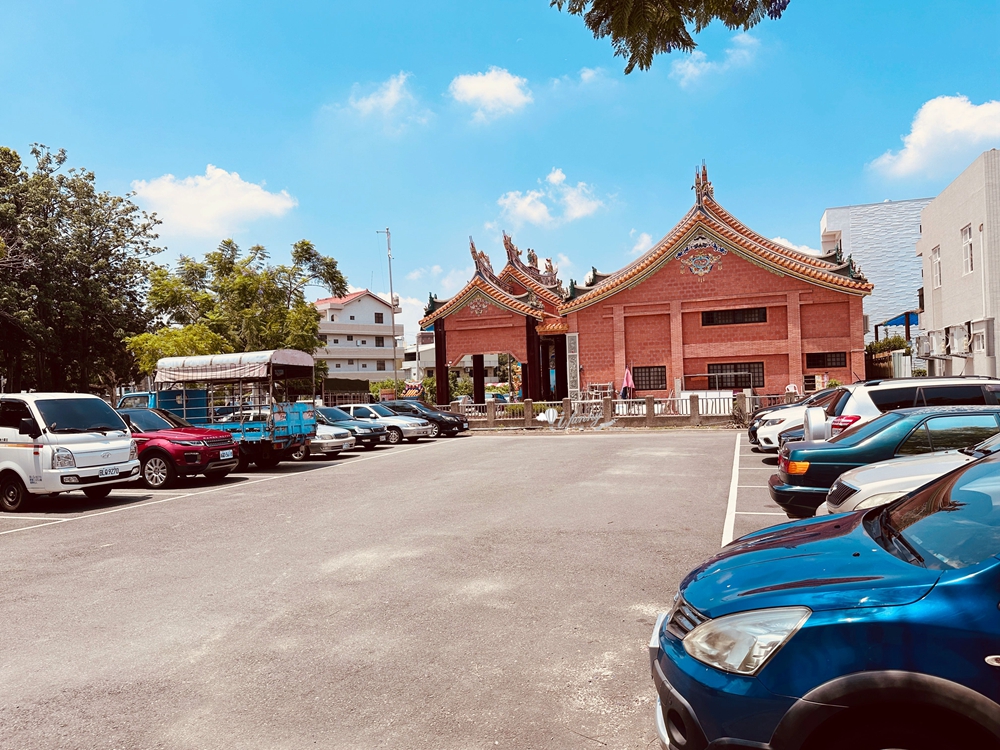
column 29, row 428
column 127, row 420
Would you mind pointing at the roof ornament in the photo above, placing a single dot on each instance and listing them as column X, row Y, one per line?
column 533, row 301
column 702, row 187
column 481, row 259
column 532, row 258
column 854, row 270
column 549, row 268
column 431, row 305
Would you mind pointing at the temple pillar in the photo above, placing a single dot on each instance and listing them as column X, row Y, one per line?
column 545, row 361
column 562, row 379
column 677, row 347
column 478, row 379
column 618, row 313
column 443, row 395
column 531, row 384
column 794, row 342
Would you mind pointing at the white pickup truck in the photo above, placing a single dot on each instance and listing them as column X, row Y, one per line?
column 58, row 442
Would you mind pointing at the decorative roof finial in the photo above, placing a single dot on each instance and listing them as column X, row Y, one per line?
column 702, row 187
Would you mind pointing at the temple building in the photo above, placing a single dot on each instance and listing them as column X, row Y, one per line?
column 711, row 306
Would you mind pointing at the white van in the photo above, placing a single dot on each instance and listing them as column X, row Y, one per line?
column 57, row 442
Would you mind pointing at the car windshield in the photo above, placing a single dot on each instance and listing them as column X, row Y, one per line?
column 172, row 418
column 859, row 432
column 147, row 421
column 951, row 523
column 381, row 410
column 67, row 415
column 990, row 445
column 334, row 414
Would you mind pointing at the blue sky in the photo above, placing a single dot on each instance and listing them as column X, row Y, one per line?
column 328, row 121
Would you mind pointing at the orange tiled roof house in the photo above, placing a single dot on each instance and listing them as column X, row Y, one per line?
column 711, row 306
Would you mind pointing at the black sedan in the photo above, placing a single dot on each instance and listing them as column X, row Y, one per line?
column 366, row 434
column 442, row 422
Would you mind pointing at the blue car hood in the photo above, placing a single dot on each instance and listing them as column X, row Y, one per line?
column 825, row 563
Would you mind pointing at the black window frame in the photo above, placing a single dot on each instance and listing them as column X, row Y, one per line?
column 379, row 317
column 650, row 378
column 727, row 379
column 826, row 360
column 740, row 316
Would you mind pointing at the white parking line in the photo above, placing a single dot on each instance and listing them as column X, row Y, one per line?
column 727, row 527
column 136, row 506
column 758, row 513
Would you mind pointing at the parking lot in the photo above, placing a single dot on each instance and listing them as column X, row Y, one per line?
column 481, row 591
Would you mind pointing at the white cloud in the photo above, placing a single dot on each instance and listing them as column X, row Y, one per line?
column 587, row 75
column 792, row 246
column 689, row 70
column 215, row 204
column 456, row 278
column 386, row 98
column 563, row 262
column 643, row 241
column 494, row 93
column 419, row 273
column 946, row 134
column 537, row 206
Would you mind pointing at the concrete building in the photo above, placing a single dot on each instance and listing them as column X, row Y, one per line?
column 960, row 253
column 880, row 237
column 358, row 332
column 427, row 361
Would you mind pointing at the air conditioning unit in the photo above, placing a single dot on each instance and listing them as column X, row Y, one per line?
column 923, row 346
column 938, row 344
column 958, row 341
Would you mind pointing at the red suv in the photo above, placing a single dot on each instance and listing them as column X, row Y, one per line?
column 170, row 446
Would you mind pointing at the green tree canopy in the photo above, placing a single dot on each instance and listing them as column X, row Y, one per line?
column 73, row 268
column 640, row 29
column 236, row 301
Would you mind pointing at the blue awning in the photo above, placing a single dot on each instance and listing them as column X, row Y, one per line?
column 901, row 320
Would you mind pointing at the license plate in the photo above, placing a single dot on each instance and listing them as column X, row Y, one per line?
column 108, row 471
column 465, row 425
column 225, row 454
column 382, row 439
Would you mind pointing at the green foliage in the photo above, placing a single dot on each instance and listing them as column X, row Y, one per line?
column 833, row 383
column 248, row 304
column 460, row 386
column 640, row 30
column 188, row 341
column 888, row 344
column 73, row 270
column 376, row 388
column 919, row 372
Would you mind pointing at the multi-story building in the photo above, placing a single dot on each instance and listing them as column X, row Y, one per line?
column 880, row 237
column 424, row 366
column 960, row 253
column 359, row 337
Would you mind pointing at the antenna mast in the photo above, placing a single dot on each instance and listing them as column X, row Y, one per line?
column 392, row 305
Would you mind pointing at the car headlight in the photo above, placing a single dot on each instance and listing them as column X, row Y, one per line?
column 62, row 458
column 133, row 450
column 881, row 498
column 189, row 443
column 364, row 430
column 772, row 422
column 742, row 643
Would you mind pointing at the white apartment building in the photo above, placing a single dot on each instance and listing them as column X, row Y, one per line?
column 880, row 237
column 960, row 253
column 358, row 332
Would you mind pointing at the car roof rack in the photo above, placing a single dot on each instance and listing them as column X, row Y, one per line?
column 879, row 381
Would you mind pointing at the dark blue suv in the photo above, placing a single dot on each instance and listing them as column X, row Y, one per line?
column 863, row 631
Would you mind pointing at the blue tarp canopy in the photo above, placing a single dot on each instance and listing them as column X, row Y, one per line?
column 901, row 320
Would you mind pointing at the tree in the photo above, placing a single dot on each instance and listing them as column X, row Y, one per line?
column 640, row 30
column 73, row 268
column 235, row 301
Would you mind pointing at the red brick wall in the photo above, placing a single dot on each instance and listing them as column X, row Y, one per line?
column 496, row 330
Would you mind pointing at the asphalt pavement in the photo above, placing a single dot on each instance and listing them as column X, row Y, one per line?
column 471, row 592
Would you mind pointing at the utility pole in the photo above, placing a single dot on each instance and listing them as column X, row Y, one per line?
column 392, row 305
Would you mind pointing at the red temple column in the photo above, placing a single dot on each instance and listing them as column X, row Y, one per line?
column 531, row 381
column 478, row 379
column 443, row 394
column 562, row 379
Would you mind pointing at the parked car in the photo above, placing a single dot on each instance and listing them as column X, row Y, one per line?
column 881, row 483
column 442, row 422
column 768, row 413
column 398, row 427
column 789, row 417
column 57, row 442
column 808, row 469
column 170, row 447
column 874, row 629
column 328, row 442
column 366, row 434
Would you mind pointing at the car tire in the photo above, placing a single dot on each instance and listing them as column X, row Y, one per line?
column 215, row 476
column 435, row 430
column 895, row 727
column 371, row 446
column 244, row 463
column 13, row 495
column 267, row 462
column 395, row 436
column 97, row 493
column 157, row 472
column 300, row 454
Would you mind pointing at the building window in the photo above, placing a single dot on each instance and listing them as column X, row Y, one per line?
column 350, row 338
column 409, row 356
column 967, row 265
column 809, row 382
column 364, row 365
column 380, row 317
column 380, row 364
column 936, row 267
column 336, row 341
column 736, row 375
column 322, row 337
column 430, row 372
column 979, row 342
column 350, row 361
column 380, row 341
column 364, row 342
column 337, row 366
column 732, row 317
column 650, row 378
column 826, row 360
column 352, row 317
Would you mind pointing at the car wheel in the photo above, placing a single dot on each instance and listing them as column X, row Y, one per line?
column 97, row 493
column 301, row 453
column 871, row 729
column 370, row 446
column 244, row 463
column 157, row 472
column 217, row 475
column 13, row 495
column 267, row 462
column 435, row 429
column 395, row 436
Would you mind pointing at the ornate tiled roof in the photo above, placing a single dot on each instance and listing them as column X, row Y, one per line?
column 552, row 325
